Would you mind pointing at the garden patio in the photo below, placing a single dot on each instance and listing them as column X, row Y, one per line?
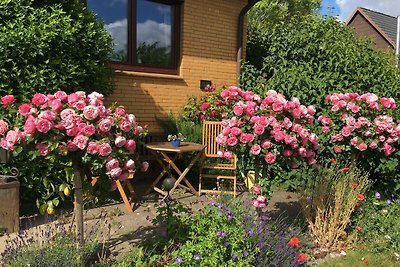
column 290, row 158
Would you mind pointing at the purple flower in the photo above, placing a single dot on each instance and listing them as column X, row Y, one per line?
column 389, row 201
column 115, row 253
column 229, row 216
column 250, row 232
column 212, row 203
column 219, row 206
column 196, row 256
column 179, row 259
column 226, row 243
column 220, row 233
column 233, row 257
column 377, row 195
column 245, row 254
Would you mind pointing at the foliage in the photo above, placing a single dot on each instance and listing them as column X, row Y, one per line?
column 314, row 57
column 48, row 45
column 191, row 131
column 329, row 202
column 267, row 13
column 51, row 245
column 231, row 234
column 377, row 218
column 74, row 128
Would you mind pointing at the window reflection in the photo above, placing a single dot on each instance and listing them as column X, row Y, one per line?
column 154, row 33
column 115, row 16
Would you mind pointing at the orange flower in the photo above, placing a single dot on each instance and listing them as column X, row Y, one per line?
column 333, row 160
column 294, row 242
column 360, row 197
column 302, row 257
column 346, row 169
column 358, row 228
column 354, row 185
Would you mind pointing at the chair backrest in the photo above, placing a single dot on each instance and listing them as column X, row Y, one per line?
column 211, row 129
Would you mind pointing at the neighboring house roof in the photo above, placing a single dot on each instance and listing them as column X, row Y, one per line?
column 384, row 24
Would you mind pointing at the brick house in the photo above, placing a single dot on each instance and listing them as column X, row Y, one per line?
column 382, row 28
column 164, row 49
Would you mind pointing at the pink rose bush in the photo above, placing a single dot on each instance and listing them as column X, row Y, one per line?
column 271, row 128
column 76, row 124
column 361, row 123
column 259, row 201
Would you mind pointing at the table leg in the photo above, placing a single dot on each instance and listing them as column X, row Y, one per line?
column 164, row 171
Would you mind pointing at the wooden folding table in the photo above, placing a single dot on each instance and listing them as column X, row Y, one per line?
column 166, row 155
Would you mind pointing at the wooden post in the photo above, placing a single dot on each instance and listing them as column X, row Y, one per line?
column 78, row 194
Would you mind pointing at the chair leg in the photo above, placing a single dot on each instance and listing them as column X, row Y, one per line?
column 200, row 184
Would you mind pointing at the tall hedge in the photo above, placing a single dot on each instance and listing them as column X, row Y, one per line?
column 315, row 56
column 51, row 45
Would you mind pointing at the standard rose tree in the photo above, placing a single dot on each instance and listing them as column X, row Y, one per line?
column 269, row 130
column 80, row 127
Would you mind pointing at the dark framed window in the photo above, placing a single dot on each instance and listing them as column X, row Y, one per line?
column 145, row 33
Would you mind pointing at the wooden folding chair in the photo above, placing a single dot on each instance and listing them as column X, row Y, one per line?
column 120, row 186
column 214, row 167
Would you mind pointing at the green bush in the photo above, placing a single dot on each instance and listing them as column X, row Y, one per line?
column 46, row 46
column 316, row 56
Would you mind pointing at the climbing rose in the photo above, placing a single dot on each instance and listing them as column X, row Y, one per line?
column 7, row 100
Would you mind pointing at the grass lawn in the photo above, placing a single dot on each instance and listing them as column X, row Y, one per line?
column 362, row 257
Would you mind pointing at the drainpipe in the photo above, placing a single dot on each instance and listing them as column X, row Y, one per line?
column 397, row 41
column 240, row 32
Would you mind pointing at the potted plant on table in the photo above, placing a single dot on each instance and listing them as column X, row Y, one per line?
column 176, row 139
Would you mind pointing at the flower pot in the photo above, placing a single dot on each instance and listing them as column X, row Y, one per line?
column 176, row 142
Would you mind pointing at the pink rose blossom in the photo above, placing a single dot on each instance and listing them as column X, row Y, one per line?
column 105, row 149
column 261, row 199
column 362, row 146
column 228, row 154
column 287, row 152
column 90, row 112
column 346, row 131
column 337, row 149
column 232, row 141
column 7, row 100
column 326, row 129
column 255, row 149
column 120, row 111
column 115, row 172
column 236, row 131
column 256, row 189
column 80, row 141
column 44, row 125
column 354, row 141
column 311, row 161
column 255, row 203
column 120, row 141
column 237, row 110
column 259, row 129
column 266, row 144
column 112, row 164
column 39, row 99
column 226, row 131
column 48, row 115
column 61, row 95
column 373, row 145
column 270, row 158
column 105, row 125
column 294, row 165
column 3, row 127
column 302, row 152
column 92, row 148
column 125, row 125
column 130, row 145
column 145, row 166
column 71, row 146
column 130, row 164
column 388, row 149
column 43, row 149
column 25, row 109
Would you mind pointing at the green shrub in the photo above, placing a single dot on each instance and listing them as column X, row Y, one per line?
column 46, row 46
column 313, row 57
column 378, row 220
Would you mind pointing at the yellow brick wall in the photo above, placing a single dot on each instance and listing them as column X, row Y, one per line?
column 208, row 52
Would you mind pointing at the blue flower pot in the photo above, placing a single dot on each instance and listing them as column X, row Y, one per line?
column 176, row 142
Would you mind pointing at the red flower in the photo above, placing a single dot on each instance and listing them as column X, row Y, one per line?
column 302, row 258
column 358, row 228
column 7, row 100
column 333, row 160
column 205, row 106
column 360, row 197
column 294, row 242
column 346, row 169
column 354, row 185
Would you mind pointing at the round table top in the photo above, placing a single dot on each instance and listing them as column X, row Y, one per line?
column 167, row 147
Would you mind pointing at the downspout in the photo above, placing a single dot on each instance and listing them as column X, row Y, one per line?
column 397, row 41
column 240, row 32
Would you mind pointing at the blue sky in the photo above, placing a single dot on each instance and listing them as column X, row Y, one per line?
column 344, row 8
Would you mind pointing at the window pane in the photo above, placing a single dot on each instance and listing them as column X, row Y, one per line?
column 154, row 34
column 115, row 16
